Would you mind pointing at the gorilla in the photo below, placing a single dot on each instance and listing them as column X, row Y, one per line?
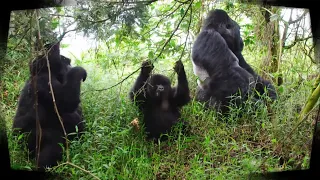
column 66, row 82
column 220, row 72
column 158, row 101
column 230, row 31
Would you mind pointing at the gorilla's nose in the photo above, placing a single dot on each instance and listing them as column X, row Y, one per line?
column 160, row 88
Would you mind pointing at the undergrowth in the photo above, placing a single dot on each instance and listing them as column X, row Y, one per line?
column 215, row 149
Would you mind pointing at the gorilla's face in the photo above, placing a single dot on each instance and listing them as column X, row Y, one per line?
column 159, row 87
column 228, row 28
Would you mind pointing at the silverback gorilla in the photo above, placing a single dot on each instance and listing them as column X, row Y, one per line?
column 225, row 77
column 219, row 64
column 230, row 30
column 158, row 101
column 66, row 82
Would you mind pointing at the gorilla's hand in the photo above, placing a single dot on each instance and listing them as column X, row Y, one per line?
column 77, row 74
column 147, row 67
column 178, row 67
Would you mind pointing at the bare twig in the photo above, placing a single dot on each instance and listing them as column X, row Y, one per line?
column 165, row 16
column 299, row 18
column 55, row 106
column 88, row 172
column 134, row 2
column 183, row 2
column 185, row 43
column 71, row 164
column 116, row 83
column 296, row 41
column 65, row 33
column 165, row 44
column 34, row 78
column 24, row 35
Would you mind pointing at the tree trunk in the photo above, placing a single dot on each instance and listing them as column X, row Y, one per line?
column 272, row 37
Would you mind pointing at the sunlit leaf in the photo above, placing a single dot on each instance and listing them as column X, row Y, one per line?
column 198, row 5
column 54, row 23
column 182, row 12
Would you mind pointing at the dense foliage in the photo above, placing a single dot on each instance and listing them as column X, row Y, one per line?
column 164, row 31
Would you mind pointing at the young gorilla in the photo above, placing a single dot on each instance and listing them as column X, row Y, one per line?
column 158, row 101
column 66, row 82
column 225, row 78
column 230, row 31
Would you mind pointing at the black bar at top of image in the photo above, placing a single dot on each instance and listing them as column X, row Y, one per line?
column 8, row 6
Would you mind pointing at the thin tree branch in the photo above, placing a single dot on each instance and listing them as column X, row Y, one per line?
column 165, row 16
column 55, row 106
column 296, row 41
column 299, row 18
column 185, row 43
column 34, row 78
column 20, row 41
column 184, row 15
column 116, row 83
column 134, row 2
column 165, row 44
column 71, row 164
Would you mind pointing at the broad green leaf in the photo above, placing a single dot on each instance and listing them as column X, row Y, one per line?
column 281, row 89
column 54, row 23
column 151, row 55
column 181, row 12
column 198, row 5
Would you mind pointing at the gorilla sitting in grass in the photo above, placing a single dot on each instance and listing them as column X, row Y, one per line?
column 219, row 22
column 220, row 66
column 66, row 82
column 158, row 101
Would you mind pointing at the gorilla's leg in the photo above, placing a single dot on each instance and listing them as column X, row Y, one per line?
column 50, row 149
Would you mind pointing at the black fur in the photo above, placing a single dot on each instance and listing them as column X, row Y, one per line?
column 230, row 30
column 158, row 101
column 225, row 77
column 66, row 82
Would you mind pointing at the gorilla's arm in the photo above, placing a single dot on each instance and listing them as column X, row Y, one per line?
column 261, row 83
column 244, row 64
column 181, row 96
column 210, row 51
column 67, row 95
column 138, row 91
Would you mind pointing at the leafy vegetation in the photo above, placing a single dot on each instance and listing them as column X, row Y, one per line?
column 164, row 31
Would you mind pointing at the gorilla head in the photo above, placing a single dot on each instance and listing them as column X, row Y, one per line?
column 159, row 87
column 220, row 21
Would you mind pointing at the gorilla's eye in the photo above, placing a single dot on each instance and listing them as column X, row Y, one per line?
column 228, row 26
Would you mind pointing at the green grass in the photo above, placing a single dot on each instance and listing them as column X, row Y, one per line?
column 215, row 149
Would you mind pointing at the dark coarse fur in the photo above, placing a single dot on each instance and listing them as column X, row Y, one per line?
column 158, row 101
column 230, row 30
column 226, row 78
column 66, row 82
